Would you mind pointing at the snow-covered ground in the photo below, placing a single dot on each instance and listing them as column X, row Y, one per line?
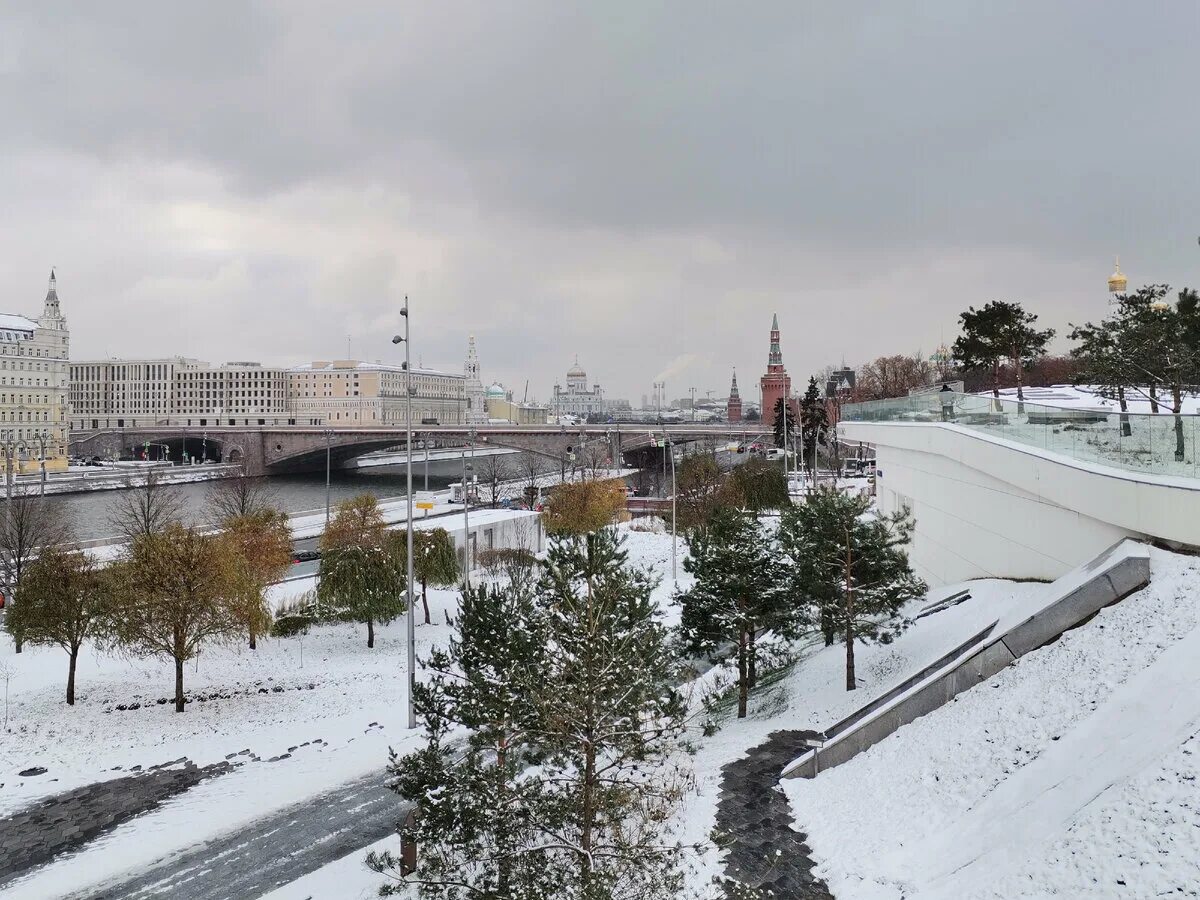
column 1072, row 773
column 1069, row 396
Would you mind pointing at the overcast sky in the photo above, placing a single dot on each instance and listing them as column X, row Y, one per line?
column 642, row 184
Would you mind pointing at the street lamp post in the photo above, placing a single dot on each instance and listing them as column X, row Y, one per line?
column 670, row 448
column 328, row 466
column 42, row 435
column 411, row 621
column 468, row 467
column 8, row 465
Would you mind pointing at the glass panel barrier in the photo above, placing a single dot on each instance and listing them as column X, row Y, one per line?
column 1151, row 443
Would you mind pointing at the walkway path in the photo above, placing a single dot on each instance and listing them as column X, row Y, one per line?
column 766, row 857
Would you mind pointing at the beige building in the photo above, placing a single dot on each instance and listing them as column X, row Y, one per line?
column 33, row 386
column 502, row 408
column 349, row 392
column 132, row 393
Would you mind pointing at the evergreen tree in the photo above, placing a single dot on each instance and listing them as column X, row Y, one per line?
column 610, row 718
column 434, row 562
column 786, row 425
column 567, row 695
column 363, row 573
column 63, row 602
column 737, row 593
column 814, row 418
column 1000, row 331
column 851, row 567
column 478, row 828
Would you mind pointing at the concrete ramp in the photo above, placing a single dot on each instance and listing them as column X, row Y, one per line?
column 1073, row 599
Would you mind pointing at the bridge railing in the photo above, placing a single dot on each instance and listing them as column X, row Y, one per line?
column 1149, row 443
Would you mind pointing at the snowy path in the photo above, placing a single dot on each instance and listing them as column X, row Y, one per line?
column 1145, row 718
column 273, row 851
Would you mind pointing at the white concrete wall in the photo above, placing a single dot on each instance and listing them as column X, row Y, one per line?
column 988, row 507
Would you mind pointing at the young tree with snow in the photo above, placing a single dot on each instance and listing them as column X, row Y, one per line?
column 738, row 594
column 63, row 603
column 363, row 572
column 851, row 566
column 998, row 332
column 260, row 547
column 760, row 485
column 176, row 591
column 434, row 562
column 701, row 488
column 583, row 507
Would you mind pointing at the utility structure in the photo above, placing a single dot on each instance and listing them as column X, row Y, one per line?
column 411, row 624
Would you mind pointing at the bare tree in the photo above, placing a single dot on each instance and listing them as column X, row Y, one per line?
column 145, row 509
column 530, row 468
column 492, row 470
column 29, row 522
column 594, row 462
column 240, row 497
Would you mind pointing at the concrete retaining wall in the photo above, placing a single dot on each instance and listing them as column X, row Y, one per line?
column 1111, row 577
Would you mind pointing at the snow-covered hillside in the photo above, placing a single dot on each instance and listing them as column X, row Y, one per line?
column 1072, row 773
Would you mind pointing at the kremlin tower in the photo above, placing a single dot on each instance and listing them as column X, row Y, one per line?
column 777, row 382
column 733, row 408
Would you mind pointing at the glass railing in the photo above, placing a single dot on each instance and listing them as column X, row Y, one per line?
column 1157, row 444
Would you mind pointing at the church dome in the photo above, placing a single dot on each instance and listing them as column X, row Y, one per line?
column 1117, row 282
column 576, row 371
column 496, row 391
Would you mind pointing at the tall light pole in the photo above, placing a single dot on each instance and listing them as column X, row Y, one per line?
column 8, row 465
column 411, row 620
column 328, row 440
column 42, row 444
column 670, row 448
column 468, row 467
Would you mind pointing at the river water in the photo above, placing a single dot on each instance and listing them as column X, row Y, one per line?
column 89, row 515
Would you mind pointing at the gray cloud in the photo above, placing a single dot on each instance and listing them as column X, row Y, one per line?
column 642, row 184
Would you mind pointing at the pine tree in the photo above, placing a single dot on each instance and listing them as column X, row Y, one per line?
column 434, row 562
column 814, row 418
column 851, row 567
column 610, row 717
column 1000, row 331
column 786, row 425
column 737, row 594
column 477, row 831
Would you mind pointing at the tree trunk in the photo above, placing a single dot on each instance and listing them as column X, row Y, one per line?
column 425, row 601
column 743, row 675
column 1126, row 428
column 751, row 661
column 178, row 684
column 996, row 387
column 71, row 677
column 370, row 633
column 253, row 640
column 849, row 613
column 1154, row 397
column 1177, row 408
column 1020, row 387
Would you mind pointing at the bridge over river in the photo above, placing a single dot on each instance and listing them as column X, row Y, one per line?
column 272, row 450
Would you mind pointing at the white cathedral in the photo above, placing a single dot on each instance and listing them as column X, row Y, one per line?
column 576, row 399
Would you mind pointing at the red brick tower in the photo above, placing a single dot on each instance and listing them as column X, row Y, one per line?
column 777, row 382
column 733, row 409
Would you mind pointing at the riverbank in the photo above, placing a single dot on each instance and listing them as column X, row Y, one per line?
column 84, row 479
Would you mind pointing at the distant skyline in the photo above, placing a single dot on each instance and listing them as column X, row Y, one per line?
column 642, row 185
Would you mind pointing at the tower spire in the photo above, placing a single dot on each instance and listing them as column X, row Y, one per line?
column 51, row 308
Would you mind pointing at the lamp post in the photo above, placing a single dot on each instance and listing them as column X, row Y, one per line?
column 468, row 467
column 670, row 448
column 411, row 621
column 8, row 465
column 328, row 466
column 42, row 435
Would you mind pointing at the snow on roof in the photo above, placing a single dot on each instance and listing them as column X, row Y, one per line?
column 10, row 322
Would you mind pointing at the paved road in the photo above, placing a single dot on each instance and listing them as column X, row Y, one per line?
column 273, row 851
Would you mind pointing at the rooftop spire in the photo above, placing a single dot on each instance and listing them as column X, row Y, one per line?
column 776, row 356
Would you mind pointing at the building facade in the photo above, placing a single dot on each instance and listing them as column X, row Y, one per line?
column 477, row 412
column 34, row 355
column 776, row 382
column 575, row 399
column 733, row 407
column 353, row 393
column 132, row 393
column 501, row 408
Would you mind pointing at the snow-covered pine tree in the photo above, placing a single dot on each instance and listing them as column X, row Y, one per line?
column 737, row 595
column 814, row 418
column 477, row 830
column 851, row 566
column 610, row 718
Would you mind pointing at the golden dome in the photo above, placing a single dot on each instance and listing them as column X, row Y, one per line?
column 1116, row 281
